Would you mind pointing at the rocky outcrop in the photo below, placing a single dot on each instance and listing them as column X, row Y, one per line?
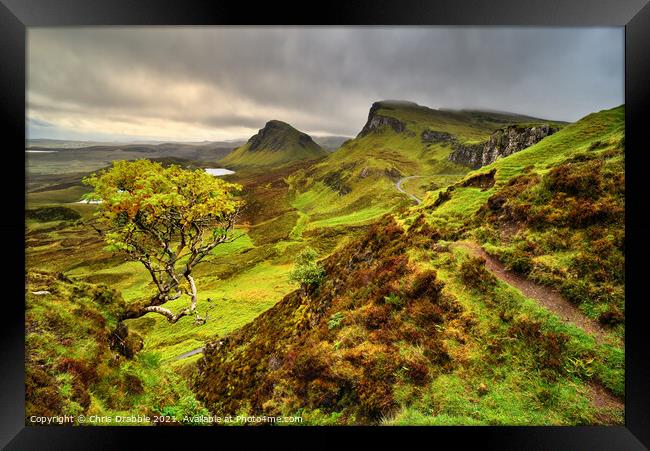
column 483, row 181
column 338, row 180
column 501, row 143
column 377, row 121
column 467, row 154
column 434, row 136
column 513, row 139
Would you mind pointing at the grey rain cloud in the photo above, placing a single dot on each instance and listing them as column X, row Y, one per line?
column 201, row 83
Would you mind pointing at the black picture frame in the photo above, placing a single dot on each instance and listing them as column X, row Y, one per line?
column 634, row 15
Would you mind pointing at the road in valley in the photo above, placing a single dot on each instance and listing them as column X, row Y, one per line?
column 398, row 185
column 417, row 200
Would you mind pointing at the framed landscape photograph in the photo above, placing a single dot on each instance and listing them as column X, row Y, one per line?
column 421, row 215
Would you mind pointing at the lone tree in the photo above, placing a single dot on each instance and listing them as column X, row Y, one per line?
column 167, row 218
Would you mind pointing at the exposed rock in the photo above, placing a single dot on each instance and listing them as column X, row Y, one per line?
column 393, row 174
column 513, row 139
column 501, row 143
column 337, row 183
column 433, row 136
column 444, row 196
column 468, row 154
column 496, row 202
column 483, row 181
column 376, row 121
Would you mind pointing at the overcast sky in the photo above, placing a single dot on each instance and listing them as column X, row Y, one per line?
column 217, row 83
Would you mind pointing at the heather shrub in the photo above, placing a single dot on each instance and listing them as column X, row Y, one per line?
column 394, row 300
column 612, row 316
column 426, row 284
column 474, row 274
column 579, row 178
column 549, row 347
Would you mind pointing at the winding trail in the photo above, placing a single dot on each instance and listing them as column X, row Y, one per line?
column 601, row 398
column 545, row 296
column 189, row 353
column 549, row 298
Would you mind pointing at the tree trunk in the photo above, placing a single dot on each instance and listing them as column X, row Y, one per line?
column 154, row 305
column 133, row 312
column 190, row 279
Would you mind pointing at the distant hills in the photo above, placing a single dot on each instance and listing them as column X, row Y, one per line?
column 400, row 139
column 275, row 144
column 46, row 143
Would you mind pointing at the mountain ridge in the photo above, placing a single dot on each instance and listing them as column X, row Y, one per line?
column 396, row 141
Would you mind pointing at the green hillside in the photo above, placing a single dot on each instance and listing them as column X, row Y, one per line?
column 408, row 324
column 276, row 144
column 411, row 324
column 77, row 361
column 554, row 212
column 359, row 178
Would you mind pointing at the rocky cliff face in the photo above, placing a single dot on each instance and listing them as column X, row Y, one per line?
column 376, row 121
column 467, row 154
column 502, row 143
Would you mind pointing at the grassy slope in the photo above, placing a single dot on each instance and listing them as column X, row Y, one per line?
column 251, row 276
column 72, row 366
column 505, row 359
column 432, row 355
column 236, row 283
column 357, row 181
column 564, row 198
column 313, row 213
